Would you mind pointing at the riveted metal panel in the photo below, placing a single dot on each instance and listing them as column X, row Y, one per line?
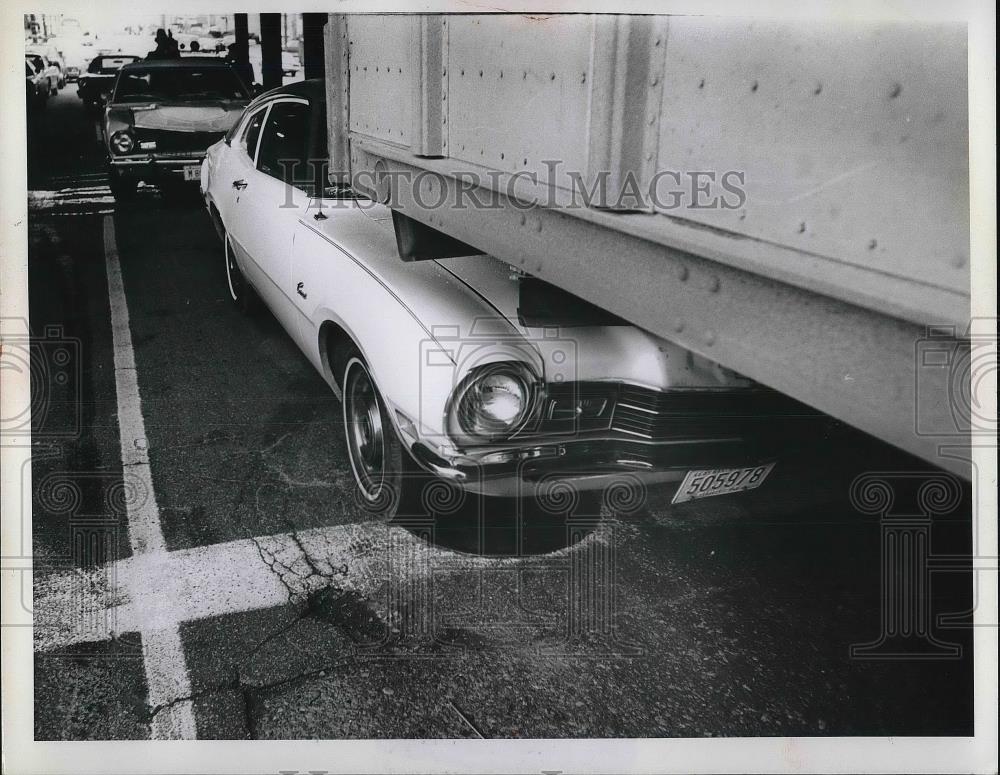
column 518, row 89
column 383, row 55
column 626, row 89
column 852, row 141
column 430, row 91
column 852, row 138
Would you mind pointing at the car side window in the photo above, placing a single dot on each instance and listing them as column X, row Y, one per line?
column 251, row 132
column 283, row 143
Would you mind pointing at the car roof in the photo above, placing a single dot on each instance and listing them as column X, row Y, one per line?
column 313, row 89
column 167, row 64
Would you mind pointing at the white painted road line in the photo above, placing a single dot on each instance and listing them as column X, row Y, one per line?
column 167, row 679
column 158, row 592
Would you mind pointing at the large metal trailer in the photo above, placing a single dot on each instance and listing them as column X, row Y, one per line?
column 841, row 276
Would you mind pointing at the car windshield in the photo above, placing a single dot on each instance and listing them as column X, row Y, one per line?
column 179, row 83
column 109, row 65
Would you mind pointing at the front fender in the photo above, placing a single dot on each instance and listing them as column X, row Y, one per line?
column 419, row 330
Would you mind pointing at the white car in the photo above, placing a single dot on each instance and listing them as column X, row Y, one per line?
column 49, row 70
column 465, row 369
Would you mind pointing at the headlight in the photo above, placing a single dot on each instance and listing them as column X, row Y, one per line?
column 492, row 403
column 122, row 142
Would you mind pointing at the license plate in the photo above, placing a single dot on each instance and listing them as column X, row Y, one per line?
column 721, row 481
column 192, row 172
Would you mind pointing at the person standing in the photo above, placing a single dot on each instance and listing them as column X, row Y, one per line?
column 166, row 47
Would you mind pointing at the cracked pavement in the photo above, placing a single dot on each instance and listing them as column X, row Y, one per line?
column 301, row 618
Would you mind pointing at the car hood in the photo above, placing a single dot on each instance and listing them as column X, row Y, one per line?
column 593, row 352
column 214, row 116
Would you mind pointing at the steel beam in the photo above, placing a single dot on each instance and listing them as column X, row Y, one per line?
column 313, row 62
column 270, row 50
column 239, row 52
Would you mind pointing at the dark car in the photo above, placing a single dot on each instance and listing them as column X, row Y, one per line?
column 96, row 84
column 162, row 116
column 36, row 88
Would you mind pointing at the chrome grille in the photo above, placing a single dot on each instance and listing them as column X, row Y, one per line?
column 700, row 414
column 178, row 142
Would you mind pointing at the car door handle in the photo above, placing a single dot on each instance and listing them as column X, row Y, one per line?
column 298, row 290
column 239, row 185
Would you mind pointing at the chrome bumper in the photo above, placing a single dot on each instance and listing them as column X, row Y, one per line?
column 652, row 436
column 155, row 165
column 585, row 465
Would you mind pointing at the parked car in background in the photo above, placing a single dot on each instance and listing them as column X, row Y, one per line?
column 291, row 65
column 96, row 84
column 77, row 53
column 185, row 39
column 215, row 41
column 48, row 70
column 50, row 51
column 471, row 371
column 163, row 114
column 36, row 88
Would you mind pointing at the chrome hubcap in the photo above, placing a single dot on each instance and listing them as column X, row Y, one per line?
column 365, row 434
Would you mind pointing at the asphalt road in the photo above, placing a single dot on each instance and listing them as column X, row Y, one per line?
column 295, row 616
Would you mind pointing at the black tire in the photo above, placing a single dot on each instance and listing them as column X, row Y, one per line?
column 122, row 187
column 387, row 482
column 240, row 291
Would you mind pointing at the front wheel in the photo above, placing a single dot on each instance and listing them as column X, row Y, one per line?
column 387, row 483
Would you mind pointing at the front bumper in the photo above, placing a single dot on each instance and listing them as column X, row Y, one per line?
column 592, row 464
column 654, row 437
column 150, row 167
